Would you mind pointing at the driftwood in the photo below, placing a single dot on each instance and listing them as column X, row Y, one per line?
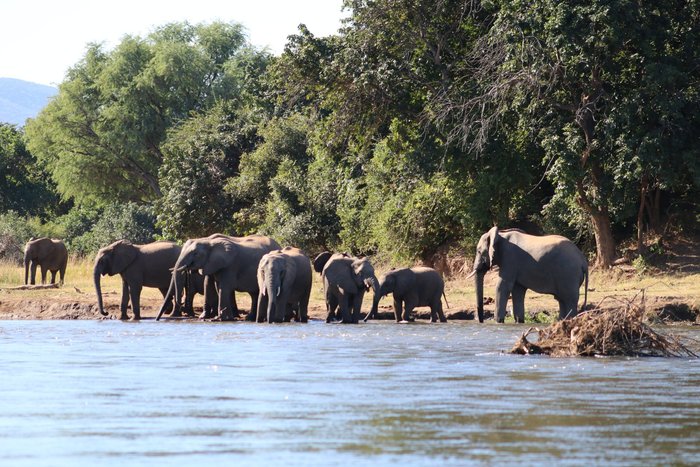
column 611, row 331
column 32, row 287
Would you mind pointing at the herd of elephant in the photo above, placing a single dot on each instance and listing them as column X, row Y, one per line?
column 279, row 280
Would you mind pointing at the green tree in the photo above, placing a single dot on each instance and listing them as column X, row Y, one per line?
column 24, row 186
column 199, row 158
column 609, row 88
column 101, row 136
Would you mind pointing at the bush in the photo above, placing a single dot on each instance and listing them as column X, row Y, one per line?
column 129, row 221
column 15, row 231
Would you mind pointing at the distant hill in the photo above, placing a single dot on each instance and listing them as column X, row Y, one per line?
column 20, row 100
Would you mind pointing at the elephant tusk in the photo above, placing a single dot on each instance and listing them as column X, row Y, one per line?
column 279, row 289
column 471, row 274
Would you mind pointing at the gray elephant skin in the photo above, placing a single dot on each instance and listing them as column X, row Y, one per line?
column 139, row 266
column 345, row 281
column 233, row 264
column 192, row 283
column 548, row 264
column 49, row 254
column 284, row 280
column 411, row 288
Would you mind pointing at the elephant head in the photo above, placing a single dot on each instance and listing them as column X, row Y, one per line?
column 486, row 257
column 387, row 285
column 111, row 260
column 276, row 274
column 210, row 254
column 363, row 274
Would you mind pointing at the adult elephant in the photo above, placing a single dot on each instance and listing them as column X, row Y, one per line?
column 345, row 281
column 49, row 254
column 548, row 264
column 412, row 287
column 139, row 266
column 284, row 280
column 231, row 261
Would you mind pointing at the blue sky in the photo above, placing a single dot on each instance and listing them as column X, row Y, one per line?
column 41, row 39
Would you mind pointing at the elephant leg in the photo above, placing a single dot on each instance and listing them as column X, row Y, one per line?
column 254, row 297
column 125, row 301
column 345, row 303
column 304, row 308
column 32, row 278
column 261, row 312
column 135, row 292
column 332, row 303
column 356, row 308
column 398, row 309
column 436, row 311
column 567, row 308
column 53, row 277
column 408, row 306
column 174, row 312
column 210, row 298
column 226, row 304
column 518, row 297
column 43, row 275
column 503, row 289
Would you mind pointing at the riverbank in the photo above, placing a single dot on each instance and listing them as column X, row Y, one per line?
column 668, row 296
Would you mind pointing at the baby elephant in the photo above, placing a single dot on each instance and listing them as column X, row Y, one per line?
column 284, row 279
column 419, row 286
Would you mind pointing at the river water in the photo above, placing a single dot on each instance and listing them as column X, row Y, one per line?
column 177, row 393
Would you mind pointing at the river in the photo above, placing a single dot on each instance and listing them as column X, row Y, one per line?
column 181, row 393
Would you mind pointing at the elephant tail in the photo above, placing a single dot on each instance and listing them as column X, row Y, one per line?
column 445, row 297
column 585, row 289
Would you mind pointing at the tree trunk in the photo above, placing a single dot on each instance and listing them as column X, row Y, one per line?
column 604, row 241
column 640, row 214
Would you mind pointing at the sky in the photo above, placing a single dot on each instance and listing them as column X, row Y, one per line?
column 41, row 39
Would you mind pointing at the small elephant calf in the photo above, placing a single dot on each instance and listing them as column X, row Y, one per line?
column 419, row 286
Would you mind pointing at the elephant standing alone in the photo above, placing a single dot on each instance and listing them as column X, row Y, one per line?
column 139, row 266
column 548, row 264
column 412, row 287
column 49, row 254
column 284, row 280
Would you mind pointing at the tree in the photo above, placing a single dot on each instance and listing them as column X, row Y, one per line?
column 608, row 88
column 101, row 136
column 199, row 158
column 24, row 187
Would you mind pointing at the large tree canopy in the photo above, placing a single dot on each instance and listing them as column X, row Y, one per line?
column 101, row 136
column 609, row 89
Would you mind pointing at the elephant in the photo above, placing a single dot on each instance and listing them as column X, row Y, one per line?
column 139, row 266
column 192, row 283
column 232, row 262
column 50, row 254
column 345, row 281
column 412, row 287
column 284, row 280
column 548, row 264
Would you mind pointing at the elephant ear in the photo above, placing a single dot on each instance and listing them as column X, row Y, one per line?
column 357, row 267
column 321, row 260
column 222, row 253
column 123, row 255
column 494, row 242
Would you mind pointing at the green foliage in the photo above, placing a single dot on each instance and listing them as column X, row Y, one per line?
column 24, row 187
column 15, row 231
column 101, row 136
column 128, row 221
column 199, row 157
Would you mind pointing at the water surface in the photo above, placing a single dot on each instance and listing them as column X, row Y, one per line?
column 177, row 393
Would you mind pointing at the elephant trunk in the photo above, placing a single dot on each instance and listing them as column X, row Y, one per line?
column 479, row 283
column 378, row 294
column 172, row 290
column 98, row 290
column 272, row 286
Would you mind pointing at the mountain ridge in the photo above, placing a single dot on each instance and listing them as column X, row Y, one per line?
column 20, row 100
